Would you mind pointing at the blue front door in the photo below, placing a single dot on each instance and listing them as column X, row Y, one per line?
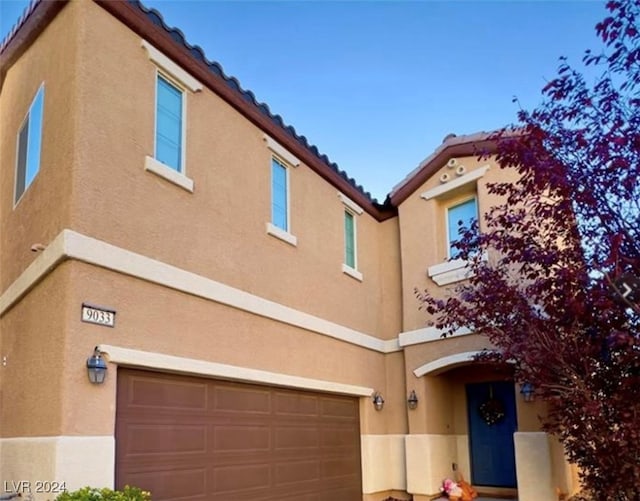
column 492, row 422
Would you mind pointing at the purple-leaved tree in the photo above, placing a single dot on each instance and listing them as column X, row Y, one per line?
column 554, row 269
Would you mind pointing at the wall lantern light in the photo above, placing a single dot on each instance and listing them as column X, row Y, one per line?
column 527, row 392
column 412, row 401
column 96, row 367
column 378, row 401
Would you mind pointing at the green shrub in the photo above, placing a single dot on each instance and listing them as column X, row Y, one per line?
column 105, row 494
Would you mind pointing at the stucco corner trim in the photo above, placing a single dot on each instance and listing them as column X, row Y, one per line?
column 281, row 151
column 285, row 236
column 350, row 204
column 456, row 183
column 353, row 273
column 152, row 360
column 72, row 245
column 165, row 172
column 445, row 363
column 168, row 65
column 428, row 335
column 46, row 261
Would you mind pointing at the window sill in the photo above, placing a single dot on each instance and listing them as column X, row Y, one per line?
column 282, row 235
column 353, row 273
column 165, row 172
column 449, row 272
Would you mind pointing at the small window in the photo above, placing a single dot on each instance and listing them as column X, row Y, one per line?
column 169, row 124
column 458, row 216
column 29, row 145
column 279, row 195
column 349, row 240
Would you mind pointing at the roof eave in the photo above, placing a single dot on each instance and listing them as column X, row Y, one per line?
column 24, row 34
column 138, row 22
column 436, row 161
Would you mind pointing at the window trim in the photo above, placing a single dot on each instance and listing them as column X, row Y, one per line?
column 171, row 68
column 354, row 233
column 183, row 122
column 181, row 79
column 350, row 207
column 453, row 204
column 272, row 229
column 456, row 183
column 16, row 197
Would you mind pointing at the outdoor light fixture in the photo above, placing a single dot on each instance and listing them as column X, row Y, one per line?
column 527, row 392
column 378, row 401
column 412, row 401
column 96, row 367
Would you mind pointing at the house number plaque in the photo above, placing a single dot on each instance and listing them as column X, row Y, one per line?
column 98, row 315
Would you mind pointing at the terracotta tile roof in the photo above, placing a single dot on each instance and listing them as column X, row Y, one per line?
column 452, row 146
column 197, row 53
column 18, row 24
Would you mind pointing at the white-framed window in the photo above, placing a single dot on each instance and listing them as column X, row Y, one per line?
column 282, row 163
column 29, row 145
column 172, row 85
column 350, row 257
column 461, row 214
column 170, row 123
column 279, row 194
column 351, row 211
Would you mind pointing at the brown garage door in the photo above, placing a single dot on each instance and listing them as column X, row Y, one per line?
column 203, row 439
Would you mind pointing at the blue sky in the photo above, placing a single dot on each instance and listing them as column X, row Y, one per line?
column 376, row 85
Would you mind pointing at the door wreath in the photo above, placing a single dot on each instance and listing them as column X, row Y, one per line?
column 491, row 410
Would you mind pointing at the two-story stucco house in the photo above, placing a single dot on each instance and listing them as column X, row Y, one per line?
column 254, row 307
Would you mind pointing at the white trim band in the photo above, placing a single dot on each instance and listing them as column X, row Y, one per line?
column 447, row 362
column 428, row 335
column 72, row 245
column 149, row 360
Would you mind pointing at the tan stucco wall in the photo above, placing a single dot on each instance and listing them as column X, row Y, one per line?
column 156, row 319
column 44, row 207
column 217, row 231
column 32, row 339
column 423, row 229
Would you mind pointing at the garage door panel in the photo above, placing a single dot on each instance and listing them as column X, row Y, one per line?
column 296, row 472
column 156, row 439
column 163, row 393
column 239, row 478
column 234, row 441
column 173, row 483
column 295, row 438
column 338, row 408
column 231, row 438
column 235, row 398
column 337, row 468
column 333, row 437
column 292, row 404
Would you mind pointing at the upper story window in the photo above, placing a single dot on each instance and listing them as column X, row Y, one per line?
column 350, row 265
column 279, row 195
column 458, row 212
column 282, row 163
column 173, row 85
column 169, row 123
column 29, row 145
column 461, row 215
column 349, row 240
